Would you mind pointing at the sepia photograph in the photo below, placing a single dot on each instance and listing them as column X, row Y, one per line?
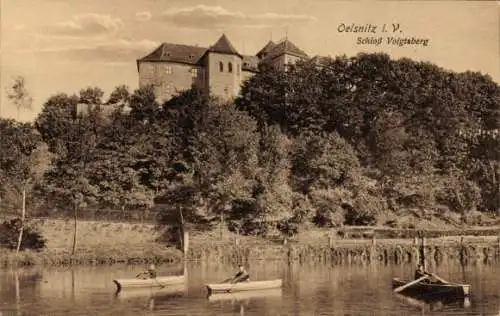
column 230, row 157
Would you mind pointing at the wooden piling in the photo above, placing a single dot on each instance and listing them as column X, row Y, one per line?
column 422, row 253
column 185, row 243
column 330, row 241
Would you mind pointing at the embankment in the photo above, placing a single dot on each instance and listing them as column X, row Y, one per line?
column 464, row 249
column 100, row 242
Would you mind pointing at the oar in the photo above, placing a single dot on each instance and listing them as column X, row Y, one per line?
column 440, row 279
column 157, row 282
column 402, row 287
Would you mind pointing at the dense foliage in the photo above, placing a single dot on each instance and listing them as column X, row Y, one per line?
column 9, row 232
column 328, row 142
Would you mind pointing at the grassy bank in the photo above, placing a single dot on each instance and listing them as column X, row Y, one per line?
column 100, row 242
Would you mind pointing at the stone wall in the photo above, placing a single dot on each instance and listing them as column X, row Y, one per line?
column 169, row 78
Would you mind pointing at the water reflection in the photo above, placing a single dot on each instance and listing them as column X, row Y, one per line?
column 307, row 290
column 245, row 296
column 433, row 305
column 153, row 298
column 242, row 300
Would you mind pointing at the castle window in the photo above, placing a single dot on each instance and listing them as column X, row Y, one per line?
column 168, row 69
column 238, row 69
column 165, row 52
column 226, row 90
column 230, row 67
column 221, row 66
column 194, row 72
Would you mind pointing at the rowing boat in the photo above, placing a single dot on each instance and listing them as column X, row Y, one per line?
column 433, row 289
column 150, row 282
column 244, row 286
column 246, row 295
column 151, row 292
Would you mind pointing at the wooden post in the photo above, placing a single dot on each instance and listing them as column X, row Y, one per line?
column 185, row 243
column 75, row 218
column 330, row 241
column 498, row 244
column 423, row 253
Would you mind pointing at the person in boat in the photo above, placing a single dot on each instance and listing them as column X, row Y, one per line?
column 149, row 273
column 241, row 276
column 420, row 272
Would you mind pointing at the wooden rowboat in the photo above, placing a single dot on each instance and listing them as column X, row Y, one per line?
column 246, row 295
column 151, row 292
column 244, row 286
column 433, row 289
column 142, row 283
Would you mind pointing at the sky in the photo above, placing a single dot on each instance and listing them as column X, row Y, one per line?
column 68, row 45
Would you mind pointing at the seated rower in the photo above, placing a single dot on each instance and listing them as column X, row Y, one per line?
column 241, row 276
column 420, row 272
column 149, row 273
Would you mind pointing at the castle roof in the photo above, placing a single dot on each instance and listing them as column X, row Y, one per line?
column 266, row 48
column 192, row 55
column 224, row 46
column 285, row 47
column 186, row 54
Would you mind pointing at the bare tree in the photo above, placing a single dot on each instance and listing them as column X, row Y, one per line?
column 19, row 95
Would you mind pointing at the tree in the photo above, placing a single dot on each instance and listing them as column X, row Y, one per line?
column 217, row 144
column 73, row 141
column 56, row 121
column 23, row 160
column 120, row 94
column 19, row 95
column 322, row 162
column 91, row 95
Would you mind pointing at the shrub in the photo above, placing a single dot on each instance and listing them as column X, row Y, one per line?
column 289, row 227
column 254, row 227
column 327, row 204
column 9, row 234
column 359, row 215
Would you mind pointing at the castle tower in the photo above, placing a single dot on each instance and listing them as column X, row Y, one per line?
column 223, row 64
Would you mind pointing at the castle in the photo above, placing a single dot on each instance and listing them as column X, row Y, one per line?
column 220, row 69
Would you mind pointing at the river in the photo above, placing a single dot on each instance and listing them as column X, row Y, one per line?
column 307, row 290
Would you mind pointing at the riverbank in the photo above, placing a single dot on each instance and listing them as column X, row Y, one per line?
column 325, row 247
column 100, row 242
